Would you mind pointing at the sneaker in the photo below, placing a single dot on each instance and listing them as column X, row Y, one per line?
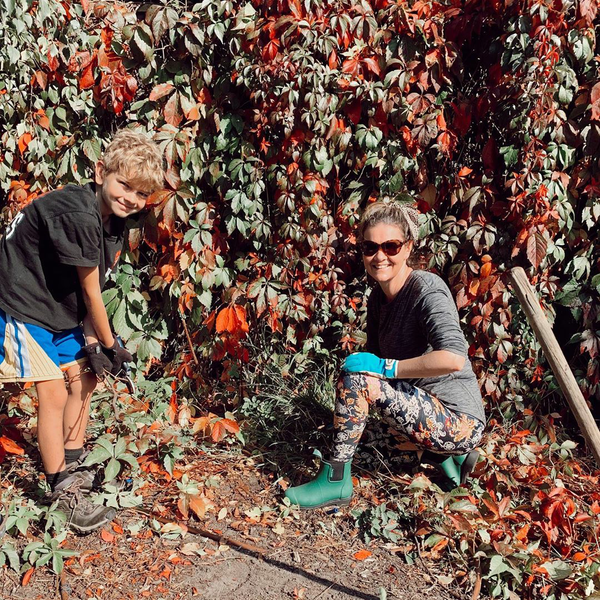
column 88, row 476
column 83, row 516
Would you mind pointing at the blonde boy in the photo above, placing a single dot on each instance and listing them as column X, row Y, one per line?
column 54, row 260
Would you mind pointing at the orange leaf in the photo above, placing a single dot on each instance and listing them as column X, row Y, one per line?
column 162, row 89
column 24, row 142
column 225, row 320
column 117, row 528
column 198, row 506
column 27, row 576
column 486, row 269
column 464, row 172
column 218, row 431
column 200, row 424
column 107, row 536
column 232, row 319
column 230, row 425
column 362, row 554
column 10, row 446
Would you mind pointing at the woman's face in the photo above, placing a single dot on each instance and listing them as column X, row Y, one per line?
column 385, row 269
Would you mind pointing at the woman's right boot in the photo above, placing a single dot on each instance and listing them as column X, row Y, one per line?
column 332, row 485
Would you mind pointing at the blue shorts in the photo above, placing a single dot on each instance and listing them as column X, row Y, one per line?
column 31, row 353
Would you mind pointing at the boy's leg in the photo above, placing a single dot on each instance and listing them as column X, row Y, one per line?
column 81, row 384
column 52, row 399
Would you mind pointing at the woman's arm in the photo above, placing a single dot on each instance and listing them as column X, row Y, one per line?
column 432, row 364
column 95, row 323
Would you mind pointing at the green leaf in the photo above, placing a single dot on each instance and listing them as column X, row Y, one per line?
column 112, row 469
column 557, row 569
column 97, row 455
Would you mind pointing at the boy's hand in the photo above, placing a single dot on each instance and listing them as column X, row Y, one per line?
column 117, row 355
column 365, row 362
column 99, row 362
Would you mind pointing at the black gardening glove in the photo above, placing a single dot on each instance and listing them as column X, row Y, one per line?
column 99, row 362
column 117, row 355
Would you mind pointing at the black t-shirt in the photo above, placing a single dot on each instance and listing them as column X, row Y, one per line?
column 41, row 249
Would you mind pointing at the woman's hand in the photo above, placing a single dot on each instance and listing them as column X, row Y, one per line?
column 365, row 362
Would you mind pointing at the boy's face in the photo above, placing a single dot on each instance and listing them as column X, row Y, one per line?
column 117, row 195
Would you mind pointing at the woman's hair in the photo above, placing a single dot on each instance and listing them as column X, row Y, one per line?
column 135, row 156
column 391, row 212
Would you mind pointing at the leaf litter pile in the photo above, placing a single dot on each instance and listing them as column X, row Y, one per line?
column 201, row 515
column 160, row 556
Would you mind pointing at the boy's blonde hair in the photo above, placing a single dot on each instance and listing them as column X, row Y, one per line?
column 389, row 211
column 135, row 156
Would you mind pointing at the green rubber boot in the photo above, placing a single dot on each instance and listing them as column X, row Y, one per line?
column 332, row 485
column 466, row 463
column 455, row 468
column 446, row 466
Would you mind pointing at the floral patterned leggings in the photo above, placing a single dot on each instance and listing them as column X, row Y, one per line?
column 414, row 416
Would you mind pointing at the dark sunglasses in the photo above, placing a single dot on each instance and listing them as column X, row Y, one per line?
column 390, row 248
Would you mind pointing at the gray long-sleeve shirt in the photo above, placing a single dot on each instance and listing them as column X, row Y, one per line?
column 422, row 318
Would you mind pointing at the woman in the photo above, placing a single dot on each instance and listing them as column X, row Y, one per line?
column 415, row 368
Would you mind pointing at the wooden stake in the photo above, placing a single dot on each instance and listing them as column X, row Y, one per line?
column 554, row 354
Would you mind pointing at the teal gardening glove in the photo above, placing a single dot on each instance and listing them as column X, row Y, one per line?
column 365, row 362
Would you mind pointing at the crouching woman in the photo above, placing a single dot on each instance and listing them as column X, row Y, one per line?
column 415, row 369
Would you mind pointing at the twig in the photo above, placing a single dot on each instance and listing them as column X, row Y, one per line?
column 477, row 587
column 323, row 591
column 63, row 587
column 211, row 535
column 189, row 339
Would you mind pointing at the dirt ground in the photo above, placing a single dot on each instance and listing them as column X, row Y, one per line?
column 301, row 555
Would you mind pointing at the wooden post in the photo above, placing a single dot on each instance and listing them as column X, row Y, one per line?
column 552, row 350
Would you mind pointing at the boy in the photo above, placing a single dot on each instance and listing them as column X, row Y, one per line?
column 54, row 260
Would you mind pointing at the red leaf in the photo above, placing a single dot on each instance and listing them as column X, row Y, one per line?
column 362, row 554
column 333, row 59
column 595, row 100
column 162, row 89
column 372, row 65
column 10, row 446
column 588, row 10
column 172, row 111
column 87, row 78
column 354, row 111
column 350, row 66
column 537, row 247
column 489, row 155
column 270, row 50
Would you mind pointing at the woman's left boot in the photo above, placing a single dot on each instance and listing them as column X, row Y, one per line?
column 455, row 468
column 332, row 485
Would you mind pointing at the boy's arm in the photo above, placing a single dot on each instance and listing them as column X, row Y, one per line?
column 96, row 324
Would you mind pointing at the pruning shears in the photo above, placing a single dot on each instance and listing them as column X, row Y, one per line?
column 126, row 378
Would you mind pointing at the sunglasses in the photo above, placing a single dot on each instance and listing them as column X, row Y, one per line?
column 390, row 248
